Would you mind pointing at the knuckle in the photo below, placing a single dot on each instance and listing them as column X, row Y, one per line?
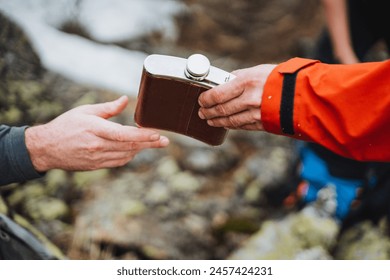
column 217, row 95
column 254, row 99
column 202, row 99
column 133, row 146
column 233, row 121
column 119, row 136
column 220, row 109
column 251, row 81
column 94, row 147
column 243, row 84
column 107, row 109
column 255, row 114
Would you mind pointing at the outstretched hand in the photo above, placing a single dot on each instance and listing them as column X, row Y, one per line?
column 236, row 104
column 84, row 139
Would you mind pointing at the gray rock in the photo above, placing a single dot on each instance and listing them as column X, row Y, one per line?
column 130, row 207
column 364, row 242
column 184, row 182
column 268, row 167
column 167, row 167
column 85, row 178
column 289, row 238
column 46, row 209
column 204, row 159
column 158, row 194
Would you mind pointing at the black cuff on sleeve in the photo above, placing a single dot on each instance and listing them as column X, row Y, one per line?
column 287, row 103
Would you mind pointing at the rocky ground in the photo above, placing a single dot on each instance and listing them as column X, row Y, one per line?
column 189, row 201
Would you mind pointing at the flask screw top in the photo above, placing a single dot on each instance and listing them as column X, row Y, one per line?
column 198, row 67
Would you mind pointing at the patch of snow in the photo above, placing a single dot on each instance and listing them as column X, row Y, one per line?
column 118, row 20
column 85, row 61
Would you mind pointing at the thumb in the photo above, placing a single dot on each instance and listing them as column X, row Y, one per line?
column 108, row 109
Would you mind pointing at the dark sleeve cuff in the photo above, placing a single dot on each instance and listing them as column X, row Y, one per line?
column 17, row 166
column 278, row 101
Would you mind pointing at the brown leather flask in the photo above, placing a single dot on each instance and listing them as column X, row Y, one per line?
column 168, row 96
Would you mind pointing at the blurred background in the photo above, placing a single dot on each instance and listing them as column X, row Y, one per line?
column 188, row 201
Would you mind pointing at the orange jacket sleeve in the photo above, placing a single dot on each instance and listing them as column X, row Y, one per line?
column 345, row 108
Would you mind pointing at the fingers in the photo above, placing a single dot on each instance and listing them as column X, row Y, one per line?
column 221, row 94
column 108, row 109
column 138, row 146
column 134, row 147
column 237, row 103
column 239, row 120
column 117, row 132
column 231, row 107
column 121, row 153
column 102, row 145
column 114, row 131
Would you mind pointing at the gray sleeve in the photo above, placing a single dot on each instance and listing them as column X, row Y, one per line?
column 15, row 163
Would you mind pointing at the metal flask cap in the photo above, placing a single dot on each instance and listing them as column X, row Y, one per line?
column 198, row 67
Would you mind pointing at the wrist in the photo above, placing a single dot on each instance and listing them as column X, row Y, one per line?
column 36, row 147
